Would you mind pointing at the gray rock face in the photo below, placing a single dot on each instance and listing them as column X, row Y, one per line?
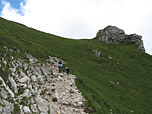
column 38, row 88
column 42, row 104
column 26, row 110
column 112, row 34
column 7, row 88
column 24, row 80
column 40, row 79
column 26, row 93
column 4, row 94
column 34, row 108
column 8, row 109
column 56, row 95
column 1, row 110
column 33, row 78
column 51, row 109
column 13, row 85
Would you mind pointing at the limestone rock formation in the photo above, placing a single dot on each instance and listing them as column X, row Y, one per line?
column 112, row 34
column 36, row 87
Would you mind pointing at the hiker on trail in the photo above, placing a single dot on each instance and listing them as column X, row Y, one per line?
column 67, row 70
column 60, row 65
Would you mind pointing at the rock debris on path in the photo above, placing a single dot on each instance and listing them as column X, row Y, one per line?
column 32, row 87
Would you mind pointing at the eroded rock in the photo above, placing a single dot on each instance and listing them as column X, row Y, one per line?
column 112, row 34
column 33, row 86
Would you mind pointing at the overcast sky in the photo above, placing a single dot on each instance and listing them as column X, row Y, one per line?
column 82, row 18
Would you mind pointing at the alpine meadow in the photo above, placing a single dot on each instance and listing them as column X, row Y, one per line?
column 118, row 80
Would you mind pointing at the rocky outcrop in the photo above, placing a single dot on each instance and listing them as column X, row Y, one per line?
column 112, row 34
column 35, row 87
column 96, row 52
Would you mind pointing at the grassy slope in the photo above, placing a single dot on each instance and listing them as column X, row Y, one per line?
column 129, row 67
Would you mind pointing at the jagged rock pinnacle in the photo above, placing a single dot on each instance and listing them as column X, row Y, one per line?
column 112, row 34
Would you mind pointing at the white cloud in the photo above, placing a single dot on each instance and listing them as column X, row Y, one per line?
column 83, row 18
column 10, row 13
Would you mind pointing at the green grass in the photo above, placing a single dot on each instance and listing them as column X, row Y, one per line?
column 24, row 101
column 128, row 66
column 16, row 109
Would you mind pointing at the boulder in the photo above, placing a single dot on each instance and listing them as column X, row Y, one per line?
column 24, row 79
column 4, row 61
column 9, row 107
column 31, row 58
column 42, row 104
column 96, row 52
column 27, row 110
column 12, row 70
column 56, row 95
column 13, row 85
column 27, row 93
column 22, row 74
column 80, row 104
column 1, row 109
column 34, row 108
column 25, row 65
column 51, row 109
column 33, row 78
column 3, row 93
column 23, row 86
column 40, row 79
column 7, row 88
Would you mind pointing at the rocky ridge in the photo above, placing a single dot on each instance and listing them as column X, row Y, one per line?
column 112, row 34
column 32, row 87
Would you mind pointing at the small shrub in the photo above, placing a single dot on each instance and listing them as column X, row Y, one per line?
column 20, row 91
column 52, row 90
column 4, row 74
column 16, row 109
column 52, row 77
column 24, row 101
column 1, row 82
column 49, row 111
column 49, row 94
column 9, row 84
column 42, row 92
column 54, row 99
column 2, row 105
column 33, row 95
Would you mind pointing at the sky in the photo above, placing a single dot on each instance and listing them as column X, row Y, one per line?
column 80, row 19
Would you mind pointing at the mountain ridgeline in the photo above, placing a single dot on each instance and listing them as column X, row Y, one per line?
column 111, row 71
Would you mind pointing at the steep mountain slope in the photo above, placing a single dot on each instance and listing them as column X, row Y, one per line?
column 118, row 81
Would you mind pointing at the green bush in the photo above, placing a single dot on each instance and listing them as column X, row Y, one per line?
column 16, row 109
column 54, row 99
